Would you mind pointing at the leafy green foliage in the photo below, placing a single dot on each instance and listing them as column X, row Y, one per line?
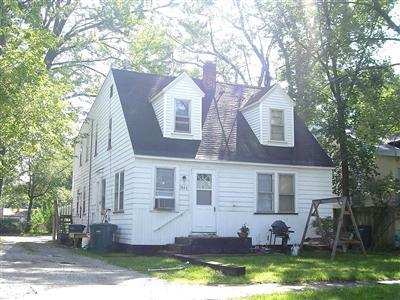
column 151, row 51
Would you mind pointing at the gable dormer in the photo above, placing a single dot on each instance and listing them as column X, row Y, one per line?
column 271, row 117
column 178, row 108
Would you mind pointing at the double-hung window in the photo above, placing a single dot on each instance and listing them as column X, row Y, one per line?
column 286, row 193
column 118, row 191
column 165, row 189
column 265, row 193
column 182, row 116
column 78, row 195
column 277, row 125
column 96, row 138
column 80, row 154
column 109, row 134
column 87, row 149
column 84, row 200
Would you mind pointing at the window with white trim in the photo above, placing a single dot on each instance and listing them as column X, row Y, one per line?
column 84, row 200
column 96, row 138
column 286, row 193
column 265, row 193
column 109, row 133
column 182, row 116
column 277, row 125
column 87, row 149
column 165, row 189
column 78, row 195
column 119, row 191
column 80, row 154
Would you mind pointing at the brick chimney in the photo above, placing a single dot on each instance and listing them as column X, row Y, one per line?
column 209, row 84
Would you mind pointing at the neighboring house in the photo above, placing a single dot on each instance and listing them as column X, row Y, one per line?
column 18, row 214
column 388, row 164
column 167, row 162
column 388, row 159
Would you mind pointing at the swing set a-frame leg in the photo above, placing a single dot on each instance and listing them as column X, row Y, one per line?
column 338, row 229
column 353, row 221
column 306, row 227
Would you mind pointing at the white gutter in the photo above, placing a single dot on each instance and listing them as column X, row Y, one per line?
column 230, row 162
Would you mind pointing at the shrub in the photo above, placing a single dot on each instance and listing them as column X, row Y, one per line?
column 10, row 227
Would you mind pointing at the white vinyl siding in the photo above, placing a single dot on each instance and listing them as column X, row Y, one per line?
column 106, row 163
column 252, row 116
column 277, row 101
column 234, row 193
column 164, row 108
column 158, row 106
column 258, row 116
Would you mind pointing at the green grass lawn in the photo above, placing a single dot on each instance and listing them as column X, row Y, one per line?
column 374, row 292
column 310, row 267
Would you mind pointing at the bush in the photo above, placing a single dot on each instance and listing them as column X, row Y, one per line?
column 10, row 227
column 327, row 230
column 41, row 221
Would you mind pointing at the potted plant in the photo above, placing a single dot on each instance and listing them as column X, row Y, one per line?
column 244, row 231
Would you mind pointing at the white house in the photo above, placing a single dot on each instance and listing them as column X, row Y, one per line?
column 176, row 156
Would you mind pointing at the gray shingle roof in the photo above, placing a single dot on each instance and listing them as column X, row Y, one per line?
column 135, row 89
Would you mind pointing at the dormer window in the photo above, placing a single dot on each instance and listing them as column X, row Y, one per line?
column 182, row 116
column 277, row 125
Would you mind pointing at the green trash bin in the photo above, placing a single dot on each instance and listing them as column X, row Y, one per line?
column 102, row 237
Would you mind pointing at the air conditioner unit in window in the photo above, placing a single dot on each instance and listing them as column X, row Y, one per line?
column 163, row 203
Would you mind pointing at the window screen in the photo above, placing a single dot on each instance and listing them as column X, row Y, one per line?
column 277, row 125
column 286, row 193
column 182, row 116
column 265, row 193
column 164, row 193
column 119, row 191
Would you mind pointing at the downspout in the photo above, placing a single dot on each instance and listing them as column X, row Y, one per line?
column 90, row 175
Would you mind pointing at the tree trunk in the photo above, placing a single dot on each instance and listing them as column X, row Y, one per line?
column 55, row 219
column 28, row 224
column 342, row 140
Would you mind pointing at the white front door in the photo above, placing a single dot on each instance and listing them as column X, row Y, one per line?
column 203, row 208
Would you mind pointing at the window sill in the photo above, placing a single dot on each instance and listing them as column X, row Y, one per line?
column 161, row 210
column 182, row 133
column 276, row 213
column 118, row 211
column 278, row 142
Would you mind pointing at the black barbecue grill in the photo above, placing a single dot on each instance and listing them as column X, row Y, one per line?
column 279, row 229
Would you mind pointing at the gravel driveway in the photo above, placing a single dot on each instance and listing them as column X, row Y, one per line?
column 36, row 268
